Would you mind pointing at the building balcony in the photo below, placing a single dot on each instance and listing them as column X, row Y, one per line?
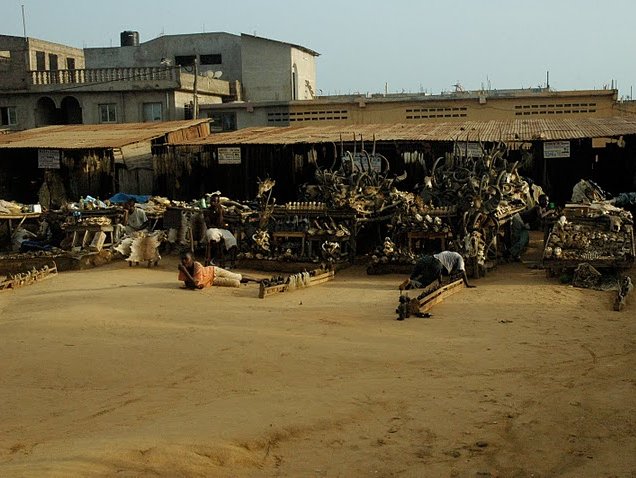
column 123, row 79
column 102, row 75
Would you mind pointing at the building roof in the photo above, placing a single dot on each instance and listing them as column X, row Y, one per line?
column 463, row 96
column 495, row 130
column 99, row 136
column 293, row 45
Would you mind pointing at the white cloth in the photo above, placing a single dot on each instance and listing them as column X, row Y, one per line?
column 137, row 218
column 225, row 278
column 215, row 235
column 452, row 261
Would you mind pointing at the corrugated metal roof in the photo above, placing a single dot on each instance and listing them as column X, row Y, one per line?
column 495, row 130
column 99, row 136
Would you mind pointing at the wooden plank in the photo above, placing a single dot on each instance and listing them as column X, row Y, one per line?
column 13, row 281
column 320, row 278
column 428, row 301
column 277, row 289
column 271, row 290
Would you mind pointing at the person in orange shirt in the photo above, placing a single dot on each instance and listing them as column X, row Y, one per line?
column 197, row 276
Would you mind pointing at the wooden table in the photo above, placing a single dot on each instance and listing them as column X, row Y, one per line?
column 21, row 217
column 83, row 235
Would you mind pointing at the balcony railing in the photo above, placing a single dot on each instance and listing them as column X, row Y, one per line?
column 103, row 75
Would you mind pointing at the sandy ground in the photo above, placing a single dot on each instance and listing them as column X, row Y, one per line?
column 117, row 372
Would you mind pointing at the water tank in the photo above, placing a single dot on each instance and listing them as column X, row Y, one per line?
column 129, row 38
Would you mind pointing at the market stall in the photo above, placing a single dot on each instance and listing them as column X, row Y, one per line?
column 598, row 234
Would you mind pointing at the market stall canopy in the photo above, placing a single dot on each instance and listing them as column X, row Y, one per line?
column 104, row 136
column 491, row 131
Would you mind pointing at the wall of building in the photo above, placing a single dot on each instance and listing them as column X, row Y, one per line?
column 367, row 111
column 625, row 108
column 305, row 64
column 128, row 97
column 19, row 55
column 362, row 110
column 151, row 52
column 63, row 52
column 184, row 99
column 128, row 105
column 13, row 62
column 267, row 70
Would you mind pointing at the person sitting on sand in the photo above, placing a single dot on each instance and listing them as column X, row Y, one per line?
column 197, row 276
column 431, row 268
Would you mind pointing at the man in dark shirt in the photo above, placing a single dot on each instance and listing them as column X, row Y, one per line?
column 431, row 268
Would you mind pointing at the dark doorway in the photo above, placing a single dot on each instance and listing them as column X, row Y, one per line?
column 71, row 111
column 45, row 112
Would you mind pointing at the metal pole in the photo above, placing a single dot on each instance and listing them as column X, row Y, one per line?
column 23, row 22
column 195, row 100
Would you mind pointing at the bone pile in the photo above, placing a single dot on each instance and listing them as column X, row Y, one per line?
column 605, row 238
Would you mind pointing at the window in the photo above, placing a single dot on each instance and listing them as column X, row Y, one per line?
column 5, row 60
column 222, row 122
column 40, row 61
column 153, row 112
column 185, row 60
column 8, row 116
column 318, row 115
column 52, row 62
column 215, row 59
column 108, row 113
column 70, row 63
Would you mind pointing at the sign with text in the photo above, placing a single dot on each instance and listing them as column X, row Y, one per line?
column 229, row 155
column 49, row 158
column 470, row 150
column 556, row 149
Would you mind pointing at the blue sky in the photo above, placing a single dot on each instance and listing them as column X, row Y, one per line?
column 426, row 45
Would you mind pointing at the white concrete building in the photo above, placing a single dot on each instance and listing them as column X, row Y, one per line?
column 44, row 83
column 268, row 70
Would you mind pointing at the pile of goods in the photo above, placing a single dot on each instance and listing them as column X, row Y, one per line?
column 300, row 280
column 487, row 191
column 599, row 234
column 11, row 208
column 390, row 253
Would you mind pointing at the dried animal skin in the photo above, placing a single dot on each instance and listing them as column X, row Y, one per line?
column 145, row 248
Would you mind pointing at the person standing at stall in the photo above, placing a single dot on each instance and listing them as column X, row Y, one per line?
column 219, row 239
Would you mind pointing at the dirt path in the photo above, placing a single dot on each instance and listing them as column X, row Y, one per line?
column 117, row 372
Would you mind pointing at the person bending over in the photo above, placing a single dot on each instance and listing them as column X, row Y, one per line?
column 431, row 268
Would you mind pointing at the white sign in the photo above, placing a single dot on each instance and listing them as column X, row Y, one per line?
column 229, row 155
column 48, row 159
column 556, row 149
column 470, row 150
